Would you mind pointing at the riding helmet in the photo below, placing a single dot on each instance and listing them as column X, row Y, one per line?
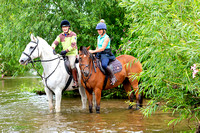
column 101, row 25
column 64, row 23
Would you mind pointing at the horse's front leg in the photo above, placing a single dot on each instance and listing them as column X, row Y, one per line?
column 98, row 99
column 58, row 96
column 83, row 96
column 94, row 100
column 49, row 94
column 89, row 96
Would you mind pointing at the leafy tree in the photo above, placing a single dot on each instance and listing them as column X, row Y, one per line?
column 43, row 17
column 165, row 36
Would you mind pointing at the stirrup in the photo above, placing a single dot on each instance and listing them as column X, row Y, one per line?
column 75, row 85
column 113, row 81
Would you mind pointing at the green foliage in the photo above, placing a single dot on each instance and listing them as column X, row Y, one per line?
column 164, row 36
column 117, row 92
column 19, row 128
column 43, row 17
column 34, row 89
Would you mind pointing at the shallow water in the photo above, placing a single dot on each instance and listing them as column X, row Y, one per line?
column 28, row 112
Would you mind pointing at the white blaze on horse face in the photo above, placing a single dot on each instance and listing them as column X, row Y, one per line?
column 84, row 55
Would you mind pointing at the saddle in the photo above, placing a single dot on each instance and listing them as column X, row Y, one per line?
column 69, row 71
column 115, row 65
column 67, row 64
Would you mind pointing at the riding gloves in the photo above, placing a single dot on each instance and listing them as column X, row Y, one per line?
column 63, row 52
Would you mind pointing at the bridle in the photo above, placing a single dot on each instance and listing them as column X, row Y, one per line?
column 32, row 62
column 91, row 60
column 29, row 55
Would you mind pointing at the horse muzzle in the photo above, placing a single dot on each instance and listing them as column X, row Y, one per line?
column 23, row 62
column 85, row 73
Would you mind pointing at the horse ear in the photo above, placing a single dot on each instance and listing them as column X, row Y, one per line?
column 33, row 37
column 88, row 47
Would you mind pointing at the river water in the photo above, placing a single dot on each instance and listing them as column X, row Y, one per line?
column 28, row 112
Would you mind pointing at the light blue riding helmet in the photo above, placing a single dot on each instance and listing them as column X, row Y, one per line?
column 101, row 25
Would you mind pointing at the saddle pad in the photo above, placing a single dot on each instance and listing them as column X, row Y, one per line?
column 116, row 66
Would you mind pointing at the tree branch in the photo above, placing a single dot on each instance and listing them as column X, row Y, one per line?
column 59, row 7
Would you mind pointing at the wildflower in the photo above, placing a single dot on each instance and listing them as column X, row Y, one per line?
column 194, row 70
column 2, row 75
column 193, row 67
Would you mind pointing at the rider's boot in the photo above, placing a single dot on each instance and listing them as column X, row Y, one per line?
column 112, row 75
column 75, row 78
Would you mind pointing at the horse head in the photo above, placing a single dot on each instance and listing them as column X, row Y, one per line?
column 85, row 59
column 31, row 51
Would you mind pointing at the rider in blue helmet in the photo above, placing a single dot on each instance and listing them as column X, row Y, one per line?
column 101, row 26
column 103, row 50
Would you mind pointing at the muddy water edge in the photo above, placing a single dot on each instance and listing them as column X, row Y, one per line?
column 28, row 112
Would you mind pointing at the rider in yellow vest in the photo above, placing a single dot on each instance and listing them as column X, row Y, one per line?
column 68, row 39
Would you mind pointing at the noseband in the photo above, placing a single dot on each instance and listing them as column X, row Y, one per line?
column 83, row 70
column 29, row 55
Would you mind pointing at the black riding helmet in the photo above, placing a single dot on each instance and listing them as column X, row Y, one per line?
column 64, row 23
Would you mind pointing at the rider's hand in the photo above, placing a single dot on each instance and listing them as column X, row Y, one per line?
column 63, row 52
column 54, row 52
column 91, row 51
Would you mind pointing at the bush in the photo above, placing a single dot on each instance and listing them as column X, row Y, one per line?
column 165, row 36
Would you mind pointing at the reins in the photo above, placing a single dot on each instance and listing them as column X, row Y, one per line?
column 32, row 62
column 90, row 70
column 47, row 60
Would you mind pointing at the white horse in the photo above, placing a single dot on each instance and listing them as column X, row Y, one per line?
column 54, row 76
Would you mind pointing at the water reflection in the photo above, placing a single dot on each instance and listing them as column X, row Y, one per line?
column 2, row 84
column 28, row 112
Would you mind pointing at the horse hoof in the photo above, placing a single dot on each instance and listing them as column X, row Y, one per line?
column 98, row 109
column 98, row 112
column 130, row 107
column 90, row 108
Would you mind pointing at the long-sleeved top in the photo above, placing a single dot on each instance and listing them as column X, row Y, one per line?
column 68, row 41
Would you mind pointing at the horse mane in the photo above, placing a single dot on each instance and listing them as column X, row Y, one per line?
column 84, row 50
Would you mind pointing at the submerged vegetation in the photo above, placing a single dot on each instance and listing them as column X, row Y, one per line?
column 163, row 34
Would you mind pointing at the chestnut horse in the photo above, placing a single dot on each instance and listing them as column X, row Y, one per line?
column 93, row 79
